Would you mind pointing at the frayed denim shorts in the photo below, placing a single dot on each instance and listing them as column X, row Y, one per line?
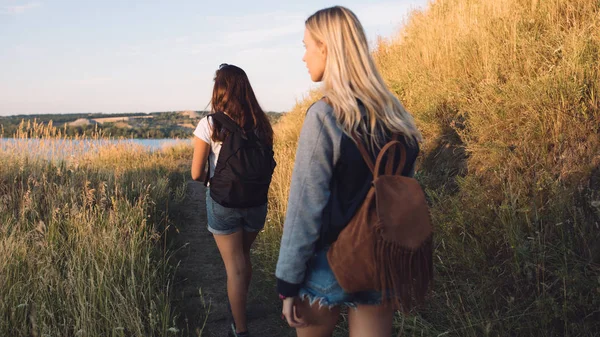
column 224, row 220
column 321, row 286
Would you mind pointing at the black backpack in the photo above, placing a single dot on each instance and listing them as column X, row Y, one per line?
column 244, row 168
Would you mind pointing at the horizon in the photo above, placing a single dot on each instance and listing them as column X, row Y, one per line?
column 69, row 57
column 119, row 113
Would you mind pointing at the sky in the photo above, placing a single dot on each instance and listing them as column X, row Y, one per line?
column 121, row 56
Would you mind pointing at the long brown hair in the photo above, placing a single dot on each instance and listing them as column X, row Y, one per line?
column 233, row 94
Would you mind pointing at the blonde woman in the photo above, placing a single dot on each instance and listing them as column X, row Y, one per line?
column 330, row 178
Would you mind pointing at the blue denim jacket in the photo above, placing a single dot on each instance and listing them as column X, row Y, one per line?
column 321, row 145
column 317, row 153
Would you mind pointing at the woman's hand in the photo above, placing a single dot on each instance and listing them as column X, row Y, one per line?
column 290, row 312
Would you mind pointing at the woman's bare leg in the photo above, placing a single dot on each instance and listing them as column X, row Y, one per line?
column 321, row 320
column 232, row 249
column 370, row 321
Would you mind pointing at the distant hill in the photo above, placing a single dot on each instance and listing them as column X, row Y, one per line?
column 169, row 124
column 82, row 122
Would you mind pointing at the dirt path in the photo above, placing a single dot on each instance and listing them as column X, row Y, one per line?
column 201, row 270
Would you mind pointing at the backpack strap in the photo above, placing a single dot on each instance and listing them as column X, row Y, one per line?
column 228, row 123
column 389, row 165
column 389, row 168
column 364, row 153
column 402, row 162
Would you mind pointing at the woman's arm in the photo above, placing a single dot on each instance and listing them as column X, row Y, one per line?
column 318, row 150
column 201, row 152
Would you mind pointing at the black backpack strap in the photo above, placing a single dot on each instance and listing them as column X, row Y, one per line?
column 227, row 122
column 206, row 179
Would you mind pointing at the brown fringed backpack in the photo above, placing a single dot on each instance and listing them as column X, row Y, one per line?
column 387, row 245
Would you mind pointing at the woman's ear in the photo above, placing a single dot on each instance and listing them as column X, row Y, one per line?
column 323, row 48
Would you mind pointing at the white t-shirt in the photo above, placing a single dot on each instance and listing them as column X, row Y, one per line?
column 204, row 132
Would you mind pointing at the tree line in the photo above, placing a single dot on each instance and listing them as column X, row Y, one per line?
column 170, row 124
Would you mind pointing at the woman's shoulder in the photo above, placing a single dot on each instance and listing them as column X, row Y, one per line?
column 320, row 109
column 204, row 129
column 207, row 120
column 320, row 120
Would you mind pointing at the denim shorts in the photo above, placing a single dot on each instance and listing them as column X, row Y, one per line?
column 224, row 220
column 320, row 285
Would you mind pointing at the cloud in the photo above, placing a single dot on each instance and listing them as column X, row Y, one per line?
column 19, row 9
column 263, row 35
column 260, row 35
column 247, row 38
column 199, row 49
column 93, row 80
column 270, row 29
column 26, row 49
column 130, row 50
column 255, row 20
column 250, row 31
column 376, row 14
column 181, row 39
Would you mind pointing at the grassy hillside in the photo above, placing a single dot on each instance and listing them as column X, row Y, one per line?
column 506, row 95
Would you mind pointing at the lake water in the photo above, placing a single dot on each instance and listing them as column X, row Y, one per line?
column 57, row 148
column 150, row 144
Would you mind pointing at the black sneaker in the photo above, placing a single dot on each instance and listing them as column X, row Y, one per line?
column 232, row 332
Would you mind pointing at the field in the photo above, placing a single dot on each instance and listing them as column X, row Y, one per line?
column 83, row 241
column 506, row 94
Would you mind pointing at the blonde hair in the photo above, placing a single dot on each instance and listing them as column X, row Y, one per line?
column 350, row 74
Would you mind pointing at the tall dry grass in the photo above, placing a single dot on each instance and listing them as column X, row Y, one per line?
column 81, row 237
column 506, row 95
column 287, row 132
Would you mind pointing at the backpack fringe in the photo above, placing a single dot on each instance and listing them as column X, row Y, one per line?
column 410, row 285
